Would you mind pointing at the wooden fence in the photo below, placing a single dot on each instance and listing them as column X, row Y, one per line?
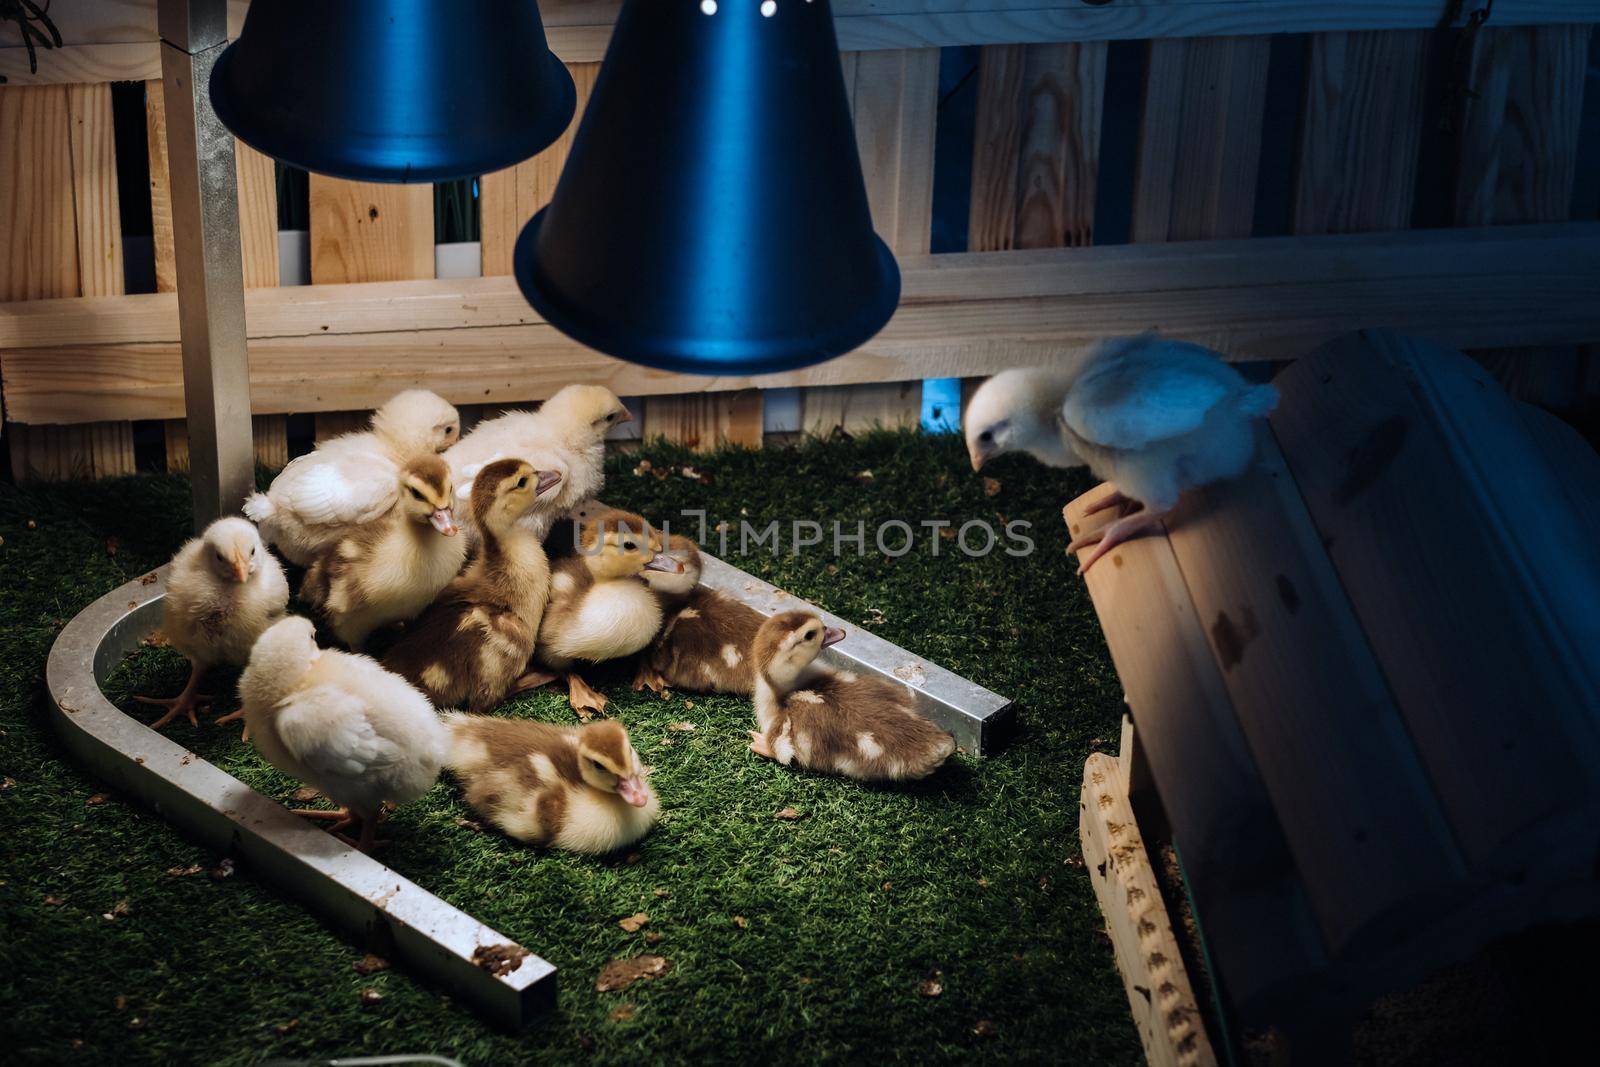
column 80, row 360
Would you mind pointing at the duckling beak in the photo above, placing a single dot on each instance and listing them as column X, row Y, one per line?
column 444, row 520
column 832, row 635
column 633, row 791
column 548, row 480
column 663, row 562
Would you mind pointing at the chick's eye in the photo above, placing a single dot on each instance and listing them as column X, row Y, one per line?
column 986, row 436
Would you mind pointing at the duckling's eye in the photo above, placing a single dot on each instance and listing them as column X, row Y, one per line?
column 630, row 546
column 415, row 492
column 597, row 765
column 522, row 483
column 811, row 635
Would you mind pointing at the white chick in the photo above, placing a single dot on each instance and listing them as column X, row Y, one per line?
column 1152, row 416
column 352, row 479
column 566, row 435
column 224, row 589
column 340, row 722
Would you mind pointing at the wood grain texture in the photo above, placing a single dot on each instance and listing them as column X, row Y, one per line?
column 510, row 197
column 1159, row 991
column 155, row 114
column 332, row 348
column 854, row 409
column 60, row 236
column 370, row 232
column 258, row 216
column 269, row 433
column 1519, row 129
column 1036, row 159
column 582, row 35
column 706, row 420
column 1360, row 131
column 1315, row 711
column 1200, row 139
column 894, row 98
column 1419, row 475
column 1236, row 862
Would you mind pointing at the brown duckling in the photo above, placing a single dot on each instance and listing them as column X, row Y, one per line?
column 599, row 607
column 389, row 570
column 704, row 644
column 472, row 644
column 581, row 788
column 836, row 722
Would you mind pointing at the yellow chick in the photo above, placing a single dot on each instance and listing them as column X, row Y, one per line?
column 223, row 590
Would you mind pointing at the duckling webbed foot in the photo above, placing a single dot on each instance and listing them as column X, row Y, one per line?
column 532, row 680
column 1113, row 535
column 585, row 699
column 758, row 744
column 647, row 677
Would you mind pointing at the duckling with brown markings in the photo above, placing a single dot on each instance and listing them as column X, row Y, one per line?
column 390, row 570
column 581, row 788
column 704, row 644
column 835, row 722
column 600, row 609
column 472, row 645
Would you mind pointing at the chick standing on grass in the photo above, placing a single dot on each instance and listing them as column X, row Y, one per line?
column 341, row 723
column 472, row 645
column 350, row 480
column 390, row 569
column 704, row 644
column 836, row 722
column 224, row 589
column 1152, row 416
column 580, row 788
column 572, row 425
column 599, row 608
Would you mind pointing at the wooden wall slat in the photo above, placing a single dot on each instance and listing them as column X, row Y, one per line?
column 510, row 197
column 61, row 236
column 855, row 409
column 1360, row 131
column 1200, row 139
column 370, row 232
column 705, row 420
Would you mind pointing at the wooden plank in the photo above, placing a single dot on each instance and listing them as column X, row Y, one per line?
column 155, row 115
column 895, row 99
column 854, row 409
column 1037, row 151
column 706, row 421
column 511, row 197
column 1200, row 139
column 1236, row 862
column 1360, row 131
column 1519, row 130
column 1422, row 502
column 370, row 232
column 271, row 442
column 60, row 236
column 1159, row 992
column 258, row 216
column 1316, row 714
column 583, row 36
column 322, row 348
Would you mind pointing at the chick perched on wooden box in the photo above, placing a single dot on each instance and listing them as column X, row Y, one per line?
column 350, row 480
column 341, row 723
column 1150, row 415
column 388, row 570
column 581, row 788
column 567, row 434
column 704, row 644
column 224, row 589
column 835, row 722
column 472, row 644
column 599, row 608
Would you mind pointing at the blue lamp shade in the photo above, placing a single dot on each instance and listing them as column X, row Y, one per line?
column 711, row 217
column 394, row 90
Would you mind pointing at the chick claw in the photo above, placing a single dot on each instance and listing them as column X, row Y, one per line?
column 1111, row 536
column 234, row 716
column 1125, row 505
column 183, row 704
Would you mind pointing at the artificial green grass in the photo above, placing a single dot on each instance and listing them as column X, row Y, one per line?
column 792, row 941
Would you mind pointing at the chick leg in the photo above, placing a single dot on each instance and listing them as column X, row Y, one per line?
column 758, row 744
column 585, row 700
column 234, row 716
column 1113, row 499
column 1111, row 536
column 184, row 703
